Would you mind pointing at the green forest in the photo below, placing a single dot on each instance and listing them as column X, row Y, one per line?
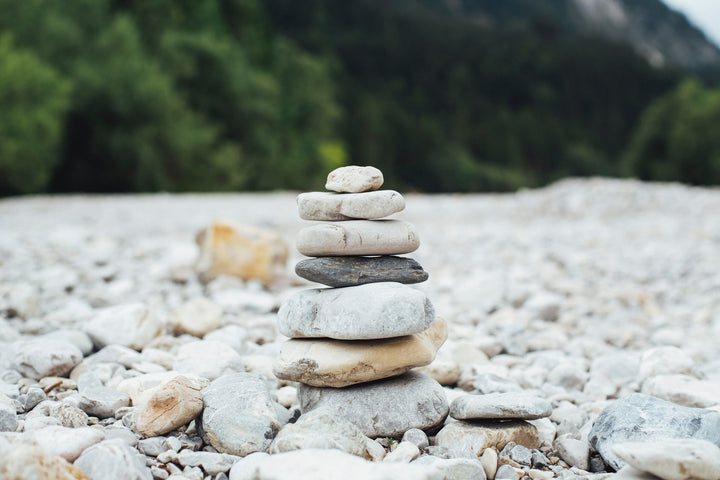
column 230, row 95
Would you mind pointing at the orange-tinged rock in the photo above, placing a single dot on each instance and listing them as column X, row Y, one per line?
column 244, row 251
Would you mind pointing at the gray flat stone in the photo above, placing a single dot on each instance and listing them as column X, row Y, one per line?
column 326, row 206
column 385, row 408
column 365, row 312
column 351, row 271
column 358, row 237
column 500, row 406
column 642, row 418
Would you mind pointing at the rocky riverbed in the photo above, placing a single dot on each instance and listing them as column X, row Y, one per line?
column 598, row 298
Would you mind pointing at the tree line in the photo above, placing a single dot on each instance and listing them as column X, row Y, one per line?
column 197, row 95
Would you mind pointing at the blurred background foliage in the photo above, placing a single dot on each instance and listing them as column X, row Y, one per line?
column 196, row 95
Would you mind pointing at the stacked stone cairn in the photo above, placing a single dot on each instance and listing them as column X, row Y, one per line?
column 352, row 346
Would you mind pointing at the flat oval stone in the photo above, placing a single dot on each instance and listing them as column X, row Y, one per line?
column 349, row 271
column 339, row 363
column 358, row 237
column 365, row 312
column 514, row 405
column 326, row 206
column 384, row 408
column 354, row 179
column 475, row 436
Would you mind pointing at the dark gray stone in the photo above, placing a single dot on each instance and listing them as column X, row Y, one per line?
column 639, row 417
column 350, row 271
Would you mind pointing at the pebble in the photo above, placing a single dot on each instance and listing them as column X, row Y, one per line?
column 69, row 443
column 404, row 452
column 683, row 390
column 365, row 312
column 506, row 472
column 517, row 453
column 384, row 408
column 417, row 437
column 475, row 437
column 321, row 429
column 575, row 453
column 8, row 414
column 358, row 237
column 452, row 468
column 325, row 206
column 169, row 406
column 98, row 400
column 500, row 406
column 337, row 363
column 673, row 459
column 489, row 461
column 29, row 463
column 354, row 179
column 208, row 359
column 113, row 459
column 445, row 371
column 664, row 360
column 211, row 463
column 45, row 357
column 642, row 418
column 131, row 325
column 352, row 271
column 239, row 417
column 197, row 317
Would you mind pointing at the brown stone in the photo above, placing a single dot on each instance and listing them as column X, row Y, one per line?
column 476, row 436
column 169, row 406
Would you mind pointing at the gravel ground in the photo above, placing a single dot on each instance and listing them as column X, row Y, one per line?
column 569, row 293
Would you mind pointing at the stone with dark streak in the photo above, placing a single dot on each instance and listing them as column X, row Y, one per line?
column 351, row 271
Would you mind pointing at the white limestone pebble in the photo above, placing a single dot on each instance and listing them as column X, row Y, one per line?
column 358, row 237
column 673, row 458
column 208, row 358
column 363, row 312
column 500, row 406
column 24, row 462
column 452, row 468
column 489, row 461
column 239, row 417
column 69, row 443
column 325, row 206
column 131, row 325
column 384, row 408
column 405, row 452
column 354, row 179
column 98, row 400
column 113, row 459
column 338, row 363
column 574, row 452
column 197, row 317
column 8, row 414
column 45, row 357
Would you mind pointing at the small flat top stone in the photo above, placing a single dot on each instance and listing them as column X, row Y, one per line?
column 327, row 206
column 354, row 179
column 500, row 406
column 349, row 271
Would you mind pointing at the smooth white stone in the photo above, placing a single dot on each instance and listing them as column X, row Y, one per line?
column 673, row 458
column 325, row 206
column 500, row 406
column 208, row 359
column 354, row 179
column 358, row 237
column 364, row 312
column 131, row 325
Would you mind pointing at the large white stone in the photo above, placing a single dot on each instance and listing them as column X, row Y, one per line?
column 358, row 237
column 339, row 363
column 113, row 459
column 472, row 438
column 354, row 179
column 325, row 206
column 683, row 390
column 25, row 462
column 673, row 458
column 384, row 408
column 364, row 312
column 69, row 443
column 131, row 325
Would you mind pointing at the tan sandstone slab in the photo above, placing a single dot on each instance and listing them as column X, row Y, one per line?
column 326, row 206
column 475, row 437
column 338, row 363
column 354, row 179
column 358, row 237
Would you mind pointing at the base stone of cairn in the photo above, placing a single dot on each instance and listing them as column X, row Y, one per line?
column 352, row 346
